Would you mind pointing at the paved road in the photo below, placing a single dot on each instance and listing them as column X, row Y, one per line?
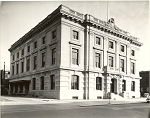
column 44, row 108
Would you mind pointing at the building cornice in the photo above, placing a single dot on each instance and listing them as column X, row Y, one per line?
column 111, row 29
column 67, row 13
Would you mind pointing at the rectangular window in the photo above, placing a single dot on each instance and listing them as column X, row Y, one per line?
column 13, row 57
column 35, row 62
column 97, row 60
column 75, row 82
column 132, row 68
column 52, row 82
column 22, row 66
column 17, row 68
column 54, row 56
column 34, row 83
column 43, row 40
column 98, row 83
column 13, row 70
column 124, row 85
column 75, row 35
column 132, row 53
column 28, row 49
column 75, row 56
column 98, row 41
column 122, row 65
column 42, row 83
column 18, row 55
column 122, row 48
column 22, row 52
column 43, row 59
column 111, row 61
column 54, row 34
column 28, row 64
column 132, row 86
column 111, row 45
column 35, row 45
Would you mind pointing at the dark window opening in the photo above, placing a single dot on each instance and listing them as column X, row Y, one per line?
column 43, row 59
column 52, row 82
column 54, row 34
column 98, row 40
column 54, row 56
column 75, row 56
column 42, row 83
column 75, row 82
column 34, row 83
column 75, row 34
column 97, row 60
column 98, row 83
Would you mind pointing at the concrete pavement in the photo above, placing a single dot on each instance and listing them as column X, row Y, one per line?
column 9, row 100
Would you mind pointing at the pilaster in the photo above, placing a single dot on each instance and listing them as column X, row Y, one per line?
column 117, row 55
column 105, row 50
column 128, row 59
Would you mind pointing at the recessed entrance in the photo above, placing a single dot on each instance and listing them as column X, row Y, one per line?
column 113, row 86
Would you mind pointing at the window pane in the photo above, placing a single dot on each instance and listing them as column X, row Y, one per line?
column 52, row 82
column 110, row 61
column 122, row 48
column 98, row 83
column 54, row 34
column 98, row 40
column 43, row 59
column 97, row 59
column 35, row 62
column 75, row 34
column 28, row 48
column 42, row 83
column 111, row 44
column 75, row 82
column 75, row 56
column 22, row 66
column 132, row 52
column 43, row 40
column 122, row 65
column 53, row 56
column 34, row 83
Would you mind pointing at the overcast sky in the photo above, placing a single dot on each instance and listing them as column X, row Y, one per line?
column 17, row 18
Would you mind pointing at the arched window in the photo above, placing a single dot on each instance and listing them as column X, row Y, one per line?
column 98, row 83
column 75, row 82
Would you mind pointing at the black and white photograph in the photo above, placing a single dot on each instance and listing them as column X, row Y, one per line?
column 75, row 59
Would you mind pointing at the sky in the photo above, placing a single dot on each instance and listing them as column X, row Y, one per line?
column 17, row 18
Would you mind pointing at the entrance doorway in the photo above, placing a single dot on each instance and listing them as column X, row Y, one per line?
column 113, row 86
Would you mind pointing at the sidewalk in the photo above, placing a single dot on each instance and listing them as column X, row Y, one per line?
column 9, row 100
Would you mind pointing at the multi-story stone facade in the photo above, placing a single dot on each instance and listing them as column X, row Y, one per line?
column 70, row 55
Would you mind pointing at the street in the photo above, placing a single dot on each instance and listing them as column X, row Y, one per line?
column 76, row 109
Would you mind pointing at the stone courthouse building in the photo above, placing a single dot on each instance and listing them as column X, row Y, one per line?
column 70, row 55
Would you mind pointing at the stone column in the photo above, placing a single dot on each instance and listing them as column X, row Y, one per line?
column 13, row 88
column 120, row 84
column 18, row 88
column 9, row 89
column 24, row 89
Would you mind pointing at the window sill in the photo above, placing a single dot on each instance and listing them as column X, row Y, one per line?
column 75, row 43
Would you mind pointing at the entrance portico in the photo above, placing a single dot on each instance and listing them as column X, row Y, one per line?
column 19, row 87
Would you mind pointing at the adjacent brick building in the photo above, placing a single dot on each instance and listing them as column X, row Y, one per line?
column 71, row 55
column 145, row 82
